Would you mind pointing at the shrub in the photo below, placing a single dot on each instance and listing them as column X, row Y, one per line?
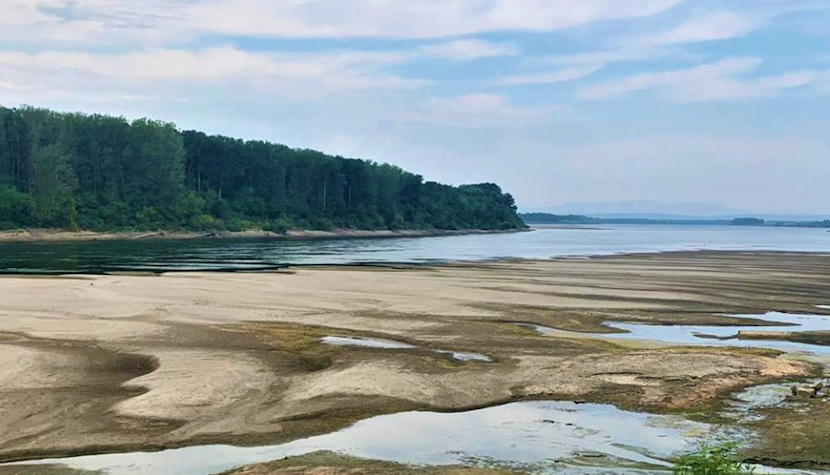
column 718, row 459
column 16, row 208
column 280, row 226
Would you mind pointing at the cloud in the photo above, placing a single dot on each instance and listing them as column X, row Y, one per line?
column 410, row 19
column 562, row 75
column 721, row 25
column 156, row 21
column 477, row 110
column 465, row 50
column 708, row 82
column 716, row 26
column 173, row 73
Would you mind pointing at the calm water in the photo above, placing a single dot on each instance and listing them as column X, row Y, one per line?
column 543, row 437
column 536, row 433
column 697, row 334
column 96, row 257
column 379, row 344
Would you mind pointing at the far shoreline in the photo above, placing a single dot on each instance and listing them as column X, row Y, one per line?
column 57, row 235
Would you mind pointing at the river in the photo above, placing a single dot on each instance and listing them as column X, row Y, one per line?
column 252, row 254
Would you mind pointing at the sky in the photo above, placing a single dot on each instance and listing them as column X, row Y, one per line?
column 724, row 102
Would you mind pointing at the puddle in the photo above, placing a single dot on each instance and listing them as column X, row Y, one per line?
column 366, row 343
column 462, row 356
column 556, row 437
column 716, row 335
column 397, row 345
column 748, row 405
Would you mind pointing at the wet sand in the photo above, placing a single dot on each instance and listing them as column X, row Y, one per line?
column 325, row 463
column 118, row 363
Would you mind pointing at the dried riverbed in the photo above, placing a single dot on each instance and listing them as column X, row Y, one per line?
column 121, row 363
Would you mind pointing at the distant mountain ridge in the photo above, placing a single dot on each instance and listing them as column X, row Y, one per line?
column 575, row 219
column 646, row 209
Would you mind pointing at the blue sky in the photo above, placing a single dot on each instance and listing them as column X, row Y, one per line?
column 724, row 102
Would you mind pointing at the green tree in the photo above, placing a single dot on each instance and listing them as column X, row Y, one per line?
column 53, row 185
column 106, row 173
column 16, row 208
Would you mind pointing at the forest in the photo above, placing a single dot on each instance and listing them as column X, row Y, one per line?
column 101, row 173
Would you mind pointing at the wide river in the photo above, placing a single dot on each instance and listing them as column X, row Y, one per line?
column 541, row 437
column 238, row 254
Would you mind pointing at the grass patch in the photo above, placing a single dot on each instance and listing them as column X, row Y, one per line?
column 719, row 459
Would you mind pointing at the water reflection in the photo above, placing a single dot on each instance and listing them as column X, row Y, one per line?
column 551, row 434
column 257, row 254
column 397, row 345
column 718, row 335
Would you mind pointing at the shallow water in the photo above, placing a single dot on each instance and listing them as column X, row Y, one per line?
column 465, row 356
column 692, row 334
column 522, row 433
column 397, row 345
column 366, row 343
column 545, row 437
column 241, row 254
column 747, row 406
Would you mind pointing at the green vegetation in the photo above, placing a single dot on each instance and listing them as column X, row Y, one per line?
column 716, row 459
column 547, row 218
column 747, row 222
column 101, row 173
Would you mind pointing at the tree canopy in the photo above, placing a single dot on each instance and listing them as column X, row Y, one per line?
column 98, row 172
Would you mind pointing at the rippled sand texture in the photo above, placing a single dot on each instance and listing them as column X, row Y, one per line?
column 116, row 363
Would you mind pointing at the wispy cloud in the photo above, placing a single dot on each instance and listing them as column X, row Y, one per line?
column 171, row 20
column 477, row 110
column 465, row 50
column 708, row 82
column 562, row 75
column 411, row 19
column 715, row 26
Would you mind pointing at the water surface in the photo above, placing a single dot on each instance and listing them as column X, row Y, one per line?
column 252, row 254
column 725, row 335
column 382, row 344
column 553, row 436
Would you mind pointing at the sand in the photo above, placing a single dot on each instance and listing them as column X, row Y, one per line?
column 113, row 363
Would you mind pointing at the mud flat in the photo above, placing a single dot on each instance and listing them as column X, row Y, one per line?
column 98, row 364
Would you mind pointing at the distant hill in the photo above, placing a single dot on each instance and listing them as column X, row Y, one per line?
column 642, row 209
column 655, row 210
column 571, row 219
column 104, row 173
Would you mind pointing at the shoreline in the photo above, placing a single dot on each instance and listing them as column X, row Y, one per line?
column 54, row 235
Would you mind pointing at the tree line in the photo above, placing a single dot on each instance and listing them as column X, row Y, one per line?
column 97, row 172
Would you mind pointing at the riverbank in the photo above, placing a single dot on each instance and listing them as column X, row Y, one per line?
column 57, row 235
column 95, row 364
column 326, row 463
